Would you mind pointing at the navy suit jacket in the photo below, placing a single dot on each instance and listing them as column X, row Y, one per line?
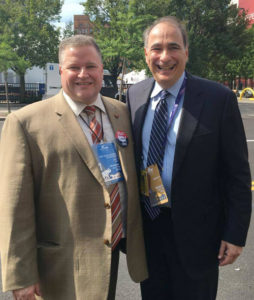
column 211, row 194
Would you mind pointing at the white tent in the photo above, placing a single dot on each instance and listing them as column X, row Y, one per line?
column 134, row 77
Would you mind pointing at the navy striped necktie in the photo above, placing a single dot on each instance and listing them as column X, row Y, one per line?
column 159, row 132
column 157, row 144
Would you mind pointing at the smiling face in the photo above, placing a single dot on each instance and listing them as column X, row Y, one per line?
column 166, row 55
column 81, row 72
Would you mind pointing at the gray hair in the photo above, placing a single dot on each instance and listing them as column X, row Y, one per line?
column 78, row 40
column 170, row 20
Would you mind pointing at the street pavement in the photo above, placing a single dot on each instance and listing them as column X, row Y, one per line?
column 236, row 281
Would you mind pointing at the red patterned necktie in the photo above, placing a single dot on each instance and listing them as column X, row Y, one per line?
column 117, row 226
column 94, row 125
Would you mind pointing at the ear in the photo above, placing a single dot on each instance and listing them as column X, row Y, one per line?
column 146, row 53
column 60, row 70
column 187, row 53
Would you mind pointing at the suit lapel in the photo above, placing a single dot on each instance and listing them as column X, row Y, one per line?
column 192, row 107
column 73, row 131
column 143, row 100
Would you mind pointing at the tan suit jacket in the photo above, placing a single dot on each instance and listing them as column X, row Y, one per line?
column 54, row 216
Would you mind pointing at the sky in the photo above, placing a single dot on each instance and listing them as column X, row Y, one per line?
column 70, row 8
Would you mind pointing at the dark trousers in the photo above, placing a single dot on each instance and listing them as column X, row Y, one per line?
column 167, row 278
column 113, row 274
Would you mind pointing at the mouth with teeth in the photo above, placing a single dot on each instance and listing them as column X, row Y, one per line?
column 83, row 83
column 166, row 68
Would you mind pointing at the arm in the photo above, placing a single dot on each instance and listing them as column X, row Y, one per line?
column 17, row 215
column 236, row 182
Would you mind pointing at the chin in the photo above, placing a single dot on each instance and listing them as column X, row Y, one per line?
column 165, row 83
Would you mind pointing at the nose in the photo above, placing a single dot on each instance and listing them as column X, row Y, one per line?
column 165, row 55
column 83, row 72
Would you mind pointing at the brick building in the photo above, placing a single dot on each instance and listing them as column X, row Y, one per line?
column 83, row 25
column 248, row 5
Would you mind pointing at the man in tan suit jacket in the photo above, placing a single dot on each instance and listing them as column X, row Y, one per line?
column 55, row 212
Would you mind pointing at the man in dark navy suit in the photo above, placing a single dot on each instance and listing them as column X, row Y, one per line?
column 198, row 219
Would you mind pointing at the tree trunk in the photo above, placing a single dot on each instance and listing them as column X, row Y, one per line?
column 6, row 91
column 22, row 87
column 121, row 83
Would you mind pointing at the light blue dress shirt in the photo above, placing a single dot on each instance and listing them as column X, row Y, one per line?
column 172, row 132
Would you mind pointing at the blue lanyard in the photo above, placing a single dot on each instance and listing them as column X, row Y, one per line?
column 178, row 98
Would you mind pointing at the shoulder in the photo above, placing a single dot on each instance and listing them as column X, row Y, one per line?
column 140, row 86
column 114, row 103
column 206, row 85
column 39, row 109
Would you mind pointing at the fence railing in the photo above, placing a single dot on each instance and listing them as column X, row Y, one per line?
column 33, row 92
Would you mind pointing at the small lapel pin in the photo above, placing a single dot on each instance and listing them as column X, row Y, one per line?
column 116, row 116
column 121, row 138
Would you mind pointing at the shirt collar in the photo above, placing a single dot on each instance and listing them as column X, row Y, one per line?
column 173, row 90
column 78, row 107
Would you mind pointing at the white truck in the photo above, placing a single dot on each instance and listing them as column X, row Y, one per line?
column 53, row 80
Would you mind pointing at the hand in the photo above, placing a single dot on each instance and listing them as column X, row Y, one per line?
column 228, row 253
column 27, row 293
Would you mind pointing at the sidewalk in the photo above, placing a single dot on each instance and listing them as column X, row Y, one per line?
column 4, row 109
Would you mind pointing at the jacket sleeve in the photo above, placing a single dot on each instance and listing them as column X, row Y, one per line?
column 237, row 178
column 17, row 212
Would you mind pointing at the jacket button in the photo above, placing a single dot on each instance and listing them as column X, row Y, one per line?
column 106, row 242
column 107, row 205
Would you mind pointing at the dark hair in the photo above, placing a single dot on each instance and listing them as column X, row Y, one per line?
column 170, row 20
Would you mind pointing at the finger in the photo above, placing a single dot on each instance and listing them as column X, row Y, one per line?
column 222, row 250
column 38, row 290
column 14, row 296
column 228, row 259
column 24, row 294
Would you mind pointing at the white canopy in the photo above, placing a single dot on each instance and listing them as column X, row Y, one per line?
column 134, row 77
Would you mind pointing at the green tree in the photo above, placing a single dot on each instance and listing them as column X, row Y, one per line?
column 118, row 31
column 246, row 63
column 68, row 30
column 107, row 17
column 31, row 34
column 217, row 31
column 8, row 59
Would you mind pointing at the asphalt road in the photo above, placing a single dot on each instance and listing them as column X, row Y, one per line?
column 236, row 282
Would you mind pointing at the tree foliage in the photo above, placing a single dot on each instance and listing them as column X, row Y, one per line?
column 8, row 59
column 31, row 35
column 68, row 30
column 107, row 17
column 246, row 63
column 217, row 32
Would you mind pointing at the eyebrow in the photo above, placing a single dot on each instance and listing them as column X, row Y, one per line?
column 169, row 45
